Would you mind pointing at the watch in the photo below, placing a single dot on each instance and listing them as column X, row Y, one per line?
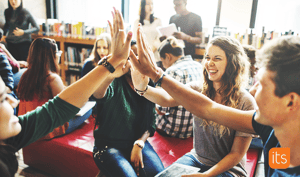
column 106, row 64
column 140, row 143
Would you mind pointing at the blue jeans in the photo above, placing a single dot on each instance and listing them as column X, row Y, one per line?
column 190, row 160
column 77, row 121
column 116, row 162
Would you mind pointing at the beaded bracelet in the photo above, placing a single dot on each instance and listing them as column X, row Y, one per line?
column 158, row 83
column 140, row 92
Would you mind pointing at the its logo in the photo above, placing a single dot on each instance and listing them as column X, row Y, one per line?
column 279, row 158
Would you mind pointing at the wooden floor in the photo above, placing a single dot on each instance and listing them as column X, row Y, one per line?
column 26, row 171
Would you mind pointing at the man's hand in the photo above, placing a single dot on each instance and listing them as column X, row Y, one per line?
column 18, row 32
column 137, row 159
column 181, row 35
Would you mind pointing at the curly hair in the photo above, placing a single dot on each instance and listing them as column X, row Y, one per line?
column 233, row 80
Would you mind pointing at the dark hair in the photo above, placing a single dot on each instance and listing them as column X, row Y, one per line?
column 1, row 33
column 20, row 12
column 143, row 13
column 41, row 60
column 282, row 56
column 170, row 45
column 8, row 161
column 132, row 42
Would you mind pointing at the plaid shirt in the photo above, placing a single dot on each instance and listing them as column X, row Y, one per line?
column 177, row 121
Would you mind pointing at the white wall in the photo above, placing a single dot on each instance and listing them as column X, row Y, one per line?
column 36, row 7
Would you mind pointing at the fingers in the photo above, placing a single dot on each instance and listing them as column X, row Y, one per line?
column 133, row 59
column 120, row 20
column 110, row 28
column 137, row 167
column 139, row 41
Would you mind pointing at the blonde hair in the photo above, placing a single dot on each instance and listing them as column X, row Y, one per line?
column 170, row 45
column 235, row 77
column 94, row 54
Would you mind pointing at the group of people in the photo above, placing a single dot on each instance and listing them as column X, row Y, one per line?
column 208, row 101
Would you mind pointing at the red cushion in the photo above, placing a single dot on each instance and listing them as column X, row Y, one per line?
column 170, row 149
column 69, row 155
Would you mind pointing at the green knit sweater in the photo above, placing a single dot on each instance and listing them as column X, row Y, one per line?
column 42, row 121
column 122, row 114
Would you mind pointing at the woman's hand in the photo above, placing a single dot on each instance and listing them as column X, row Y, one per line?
column 18, row 32
column 137, row 159
column 119, row 47
column 145, row 64
column 23, row 64
column 139, row 80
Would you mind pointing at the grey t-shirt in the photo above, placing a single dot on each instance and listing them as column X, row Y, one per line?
column 210, row 148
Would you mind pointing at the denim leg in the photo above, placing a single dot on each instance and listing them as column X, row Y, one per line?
column 77, row 121
column 152, row 163
column 190, row 160
column 114, row 162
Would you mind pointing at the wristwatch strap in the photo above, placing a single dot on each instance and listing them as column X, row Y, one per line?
column 106, row 64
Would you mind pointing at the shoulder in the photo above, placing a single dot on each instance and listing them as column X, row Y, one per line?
column 53, row 77
column 174, row 17
column 192, row 14
column 246, row 101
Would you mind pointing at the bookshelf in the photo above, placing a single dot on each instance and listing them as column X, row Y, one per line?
column 63, row 44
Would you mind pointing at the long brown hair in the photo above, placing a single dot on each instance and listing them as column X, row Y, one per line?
column 233, row 80
column 41, row 60
column 94, row 54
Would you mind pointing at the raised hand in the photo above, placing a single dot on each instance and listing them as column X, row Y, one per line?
column 139, row 80
column 120, row 47
column 145, row 64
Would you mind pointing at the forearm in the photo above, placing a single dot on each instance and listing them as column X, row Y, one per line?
column 225, row 164
column 101, row 91
column 77, row 93
column 194, row 40
column 145, row 136
column 203, row 107
column 160, row 96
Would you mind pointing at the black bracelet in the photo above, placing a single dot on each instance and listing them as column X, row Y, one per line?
column 158, row 83
column 140, row 92
column 106, row 64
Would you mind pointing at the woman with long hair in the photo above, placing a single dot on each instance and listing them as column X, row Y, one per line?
column 17, row 31
column 218, row 150
column 41, row 82
column 149, row 23
column 102, row 47
column 18, row 132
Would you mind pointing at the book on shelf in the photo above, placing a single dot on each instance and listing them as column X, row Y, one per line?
column 53, row 27
column 176, row 170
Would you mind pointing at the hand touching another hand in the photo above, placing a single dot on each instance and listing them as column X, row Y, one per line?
column 18, row 32
column 139, row 80
column 145, row 64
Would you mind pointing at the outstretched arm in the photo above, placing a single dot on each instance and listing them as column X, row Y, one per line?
column 79, row 92
column 193, row 101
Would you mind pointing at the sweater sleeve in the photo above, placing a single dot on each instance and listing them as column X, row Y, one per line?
column 34, row 27
column 42, row 121
column 6, row 72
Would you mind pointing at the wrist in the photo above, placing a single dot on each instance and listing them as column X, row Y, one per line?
column 139, row 143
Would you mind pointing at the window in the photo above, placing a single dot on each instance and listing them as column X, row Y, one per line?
column 279, row 16
column 91, row 12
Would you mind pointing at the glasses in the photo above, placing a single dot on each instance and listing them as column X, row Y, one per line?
column 58, row 53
